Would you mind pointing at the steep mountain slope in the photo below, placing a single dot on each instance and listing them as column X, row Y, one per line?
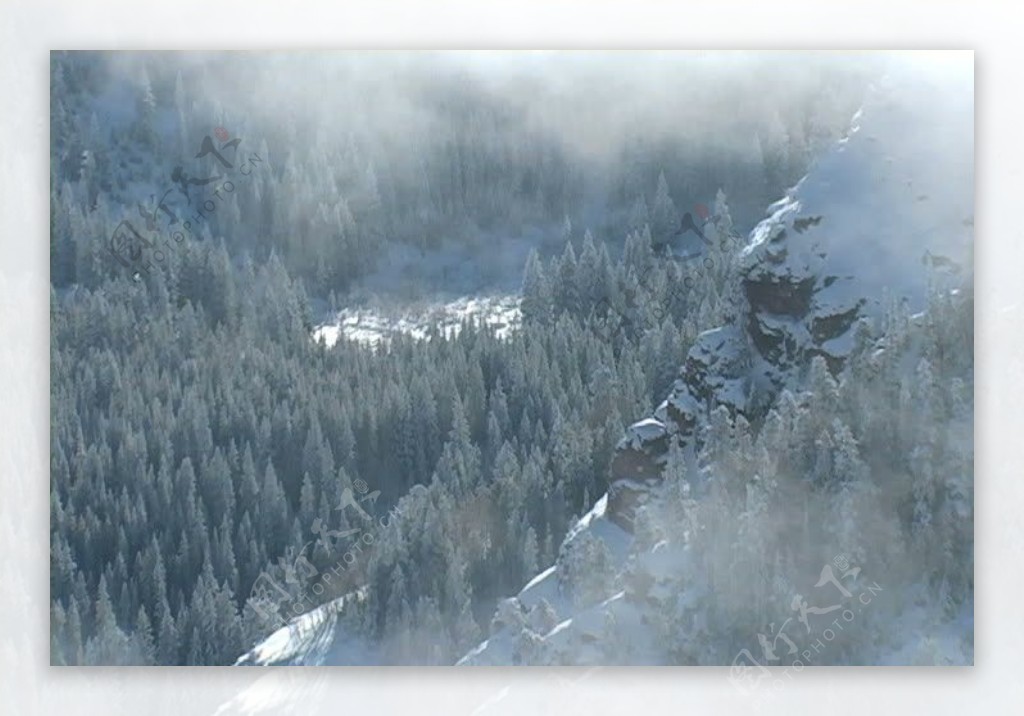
column 848, row 242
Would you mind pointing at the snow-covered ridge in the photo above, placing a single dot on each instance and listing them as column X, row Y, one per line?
column 543, row 592
column 897, row 189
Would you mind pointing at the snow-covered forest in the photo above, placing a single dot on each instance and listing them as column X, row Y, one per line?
column 634, row 442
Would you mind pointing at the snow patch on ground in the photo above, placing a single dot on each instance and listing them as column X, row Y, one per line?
column 304, row 641
column 372, row 327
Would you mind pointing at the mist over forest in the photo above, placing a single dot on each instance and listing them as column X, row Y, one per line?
column 372, row 159
column 508, row 357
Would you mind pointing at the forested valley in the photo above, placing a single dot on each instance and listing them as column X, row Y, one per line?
column 202, row 440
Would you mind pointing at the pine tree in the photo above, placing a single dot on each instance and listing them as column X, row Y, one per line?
column 530, row 552
column 74, row 648
column 588, row 274
column 146, row 111
column 639, row 217
column 307, row 502
column 536, row 304
column 565, row 290
column 585, row 569
column 58, row 634
column 142, row 637
column 722, row 216
column 664, row 217
column 108, row 644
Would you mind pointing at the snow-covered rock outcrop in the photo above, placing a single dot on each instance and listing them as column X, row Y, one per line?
column 896, row 192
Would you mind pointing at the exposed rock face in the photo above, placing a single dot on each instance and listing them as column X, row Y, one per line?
column 872, row 206
column 626, row 496
column 791, row 310
column 636, row 466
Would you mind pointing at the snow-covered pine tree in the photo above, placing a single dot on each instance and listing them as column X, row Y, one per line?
column 664, row 216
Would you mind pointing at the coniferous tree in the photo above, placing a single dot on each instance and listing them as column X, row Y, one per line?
column 664, row 216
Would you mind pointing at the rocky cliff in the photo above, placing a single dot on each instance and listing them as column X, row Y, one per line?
column 849, row 237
